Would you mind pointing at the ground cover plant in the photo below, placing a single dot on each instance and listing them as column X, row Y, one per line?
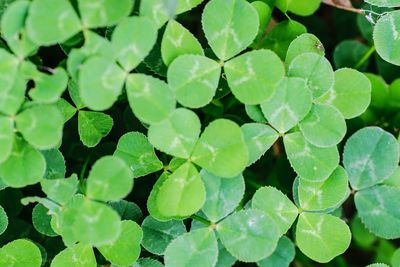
column 187, row 133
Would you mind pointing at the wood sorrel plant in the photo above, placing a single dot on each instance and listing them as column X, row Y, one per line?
column 200, row 114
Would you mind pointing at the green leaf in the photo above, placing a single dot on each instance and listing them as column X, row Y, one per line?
column 67, row 110
column 378, row 204
column 395, row 261
column 41, row 220
column 47, row 28
column 25, row 165
column 305, row 43
column 190, row 75
column 13, row 25
column 150, row 99
column 249, row 235
column 12, row 85
column 258, row 138
column 49, row 88
column 109, row 179
column 89, row 222
column 384, row 3
column 222, row 195
column 328, row 194
column 221, row 149
column 361, row 235
column 176, row 135
column 78, row 255
column 182, row 193
column 147, row 262
column 298, row 7
column 3, row 220
column 159, row 11
column 254, row 112
column 132, row 40
column 197, row 248
column 250, row 79
column 20, row 253
column 127, row 210
column 310, row 162
column 6, row 137
column 283, row 212
column 177, row 41
column 41, row 125
column 386, row 37
column 158, row 235
column 324, row 126
column 100, row 82
column 351, row 93
column 282, row 256
column 60, row 190
column 289, row 104
column 142, row 160
column 315, row 69
column 230, row 26
column 225, row 259
column 370, row 156
column 126, row 249
column 348, row 53
column 93, row 126
column 103, row 13
column 186, row 5
column 152, row 205
column 322, row 237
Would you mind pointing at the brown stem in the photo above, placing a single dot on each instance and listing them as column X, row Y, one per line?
column 336, row 3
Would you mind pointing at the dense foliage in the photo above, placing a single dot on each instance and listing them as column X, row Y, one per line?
column 194, row 133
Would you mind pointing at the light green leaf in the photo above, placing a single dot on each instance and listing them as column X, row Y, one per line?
column 41, row 220
column 225, row 259
column 190, row 75
column 378, row 204
column 152, row 205
column 221, row 149
column 3, row 220
column 109, row 179
column 283, row 211
column 100, row 82
column 12, row 86
column 249, row 235
column 250, row 79
column 177, row 41
column 384, row 3
column 310, row 162
column 89, row 222
column 142, row 160
column 60, row 190
column 93, row 126
column 20, row 253
column 78, row 255
column 158, row 235
column 320, row 196
column 41, row 125
column 298, row 7
column 147, row 262
column 176, row 135
column 49, row 88
column 322, row 237
column 132, row 40
column 159, row 11
column 254, row 112
column 289, row 104
column 13, row 28
column 126, row 249
column 258, row 138
column 150, row 99
column 186, row 5
column 305, row 43
column 47, row 28
column 6, row 137
column 66, row 109
column 25, row 165
column 198, row 248
column 395, row 261
column 324, row 126
column 370, row 156
column 351, row 93
column 182, row 193
column 282, row 256
column 386, row 37
column 361, row 235
column 230, row 26
column 95, row 13
column 315, row 69
column 222, row 195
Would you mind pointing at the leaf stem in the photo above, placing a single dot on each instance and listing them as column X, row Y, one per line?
column 201, row 219
column 350, row 9
column 365, row 57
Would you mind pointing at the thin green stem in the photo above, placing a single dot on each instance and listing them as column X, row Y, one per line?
column 201, row 219
column 365, row 57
